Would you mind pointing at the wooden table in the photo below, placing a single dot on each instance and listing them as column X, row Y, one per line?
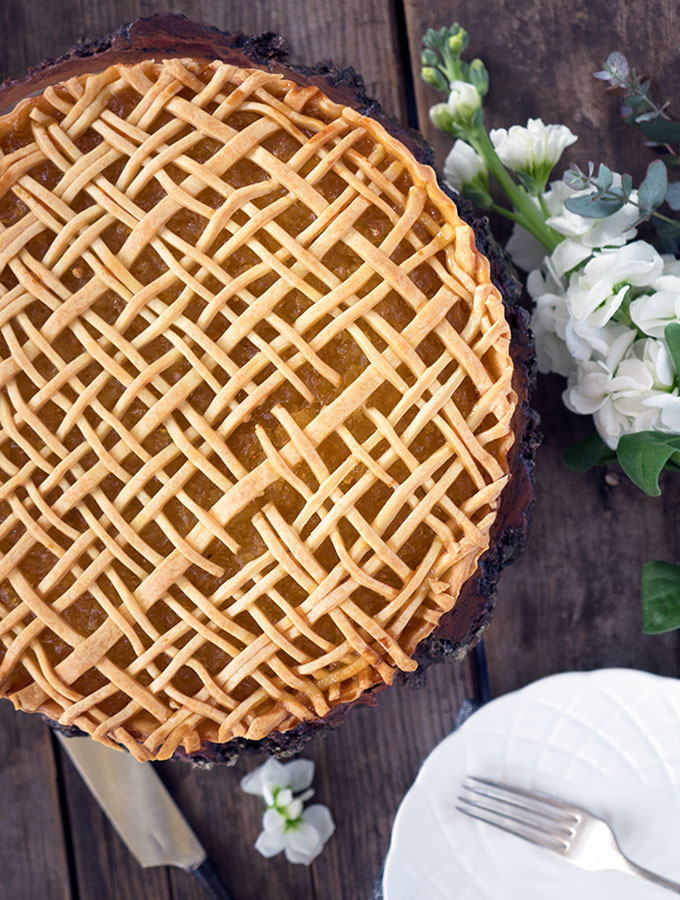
column 571, row 602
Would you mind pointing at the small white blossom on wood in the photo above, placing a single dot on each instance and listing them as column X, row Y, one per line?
column 287, row 825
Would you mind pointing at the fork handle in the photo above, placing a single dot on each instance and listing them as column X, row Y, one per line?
column 633, row 869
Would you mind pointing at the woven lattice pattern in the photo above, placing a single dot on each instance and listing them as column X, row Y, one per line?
column 255, row 404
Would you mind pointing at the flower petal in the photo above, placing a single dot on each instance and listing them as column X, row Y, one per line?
column 269, row 843
column 299, row 774
column 526, row 251
column 320, row 817
column 271, row 773
column 273, row 822
column 304, row 838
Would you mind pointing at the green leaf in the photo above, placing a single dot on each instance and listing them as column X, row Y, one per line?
column 626, row 185
column 591, row 451
column 660, row 597
column 672, row 335
column 662, row 131
column 604, row 177
column 642, row 457
column 652, row 191
column 673, row 195
column 593, row 206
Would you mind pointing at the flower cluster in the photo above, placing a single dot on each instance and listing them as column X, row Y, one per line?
column 607, row 303
column 603, row 302
column 286, row 824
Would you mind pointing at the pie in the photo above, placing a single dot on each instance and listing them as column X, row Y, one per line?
column 256, row 404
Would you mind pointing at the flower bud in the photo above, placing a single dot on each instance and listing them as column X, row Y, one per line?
column 441, row 117
column 434, row 78
column 479, row 76
column 458, row 41
column 464, row 103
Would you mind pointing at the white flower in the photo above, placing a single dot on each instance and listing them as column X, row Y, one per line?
column 657, row 359
column 549, row 322
column 629, row 390
column 653, row 311
column 583, row 235
column 595, row 294
column 463, row 166
column 286, row 825
column 464, row 100
column 671, row 265
column 534, row 149
column 302, row 840
column 664, row 397
column 668, row 406
column 526, row 251
column 612, row 391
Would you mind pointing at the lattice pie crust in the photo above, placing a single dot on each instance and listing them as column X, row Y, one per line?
column 255, row 404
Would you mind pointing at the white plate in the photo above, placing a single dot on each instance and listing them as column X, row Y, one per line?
column 608, row 741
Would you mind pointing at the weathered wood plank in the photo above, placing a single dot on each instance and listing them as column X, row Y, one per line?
column 541, row 57
column 572, row 600
column 363, row 36
column 33, row 854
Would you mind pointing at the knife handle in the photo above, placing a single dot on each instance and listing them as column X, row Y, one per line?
column 211, row 881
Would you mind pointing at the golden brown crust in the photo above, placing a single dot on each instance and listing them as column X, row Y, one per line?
column 255, row 404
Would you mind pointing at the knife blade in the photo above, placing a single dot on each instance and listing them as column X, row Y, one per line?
column 141, row 810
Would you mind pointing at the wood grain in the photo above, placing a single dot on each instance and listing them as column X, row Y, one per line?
column 573, row 599
column 364, row 35
column 33, row 852
column 541, row 58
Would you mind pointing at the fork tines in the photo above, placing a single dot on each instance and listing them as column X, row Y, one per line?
column 538, row 819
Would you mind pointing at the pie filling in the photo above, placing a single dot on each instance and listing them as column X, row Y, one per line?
column 255, row 404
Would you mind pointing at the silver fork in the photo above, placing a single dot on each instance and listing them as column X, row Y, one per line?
column 572, row 833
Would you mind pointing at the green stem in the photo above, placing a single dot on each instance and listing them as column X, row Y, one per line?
column 529, row 214
column 502, row 211
column 544, row 205
column 658, row 215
